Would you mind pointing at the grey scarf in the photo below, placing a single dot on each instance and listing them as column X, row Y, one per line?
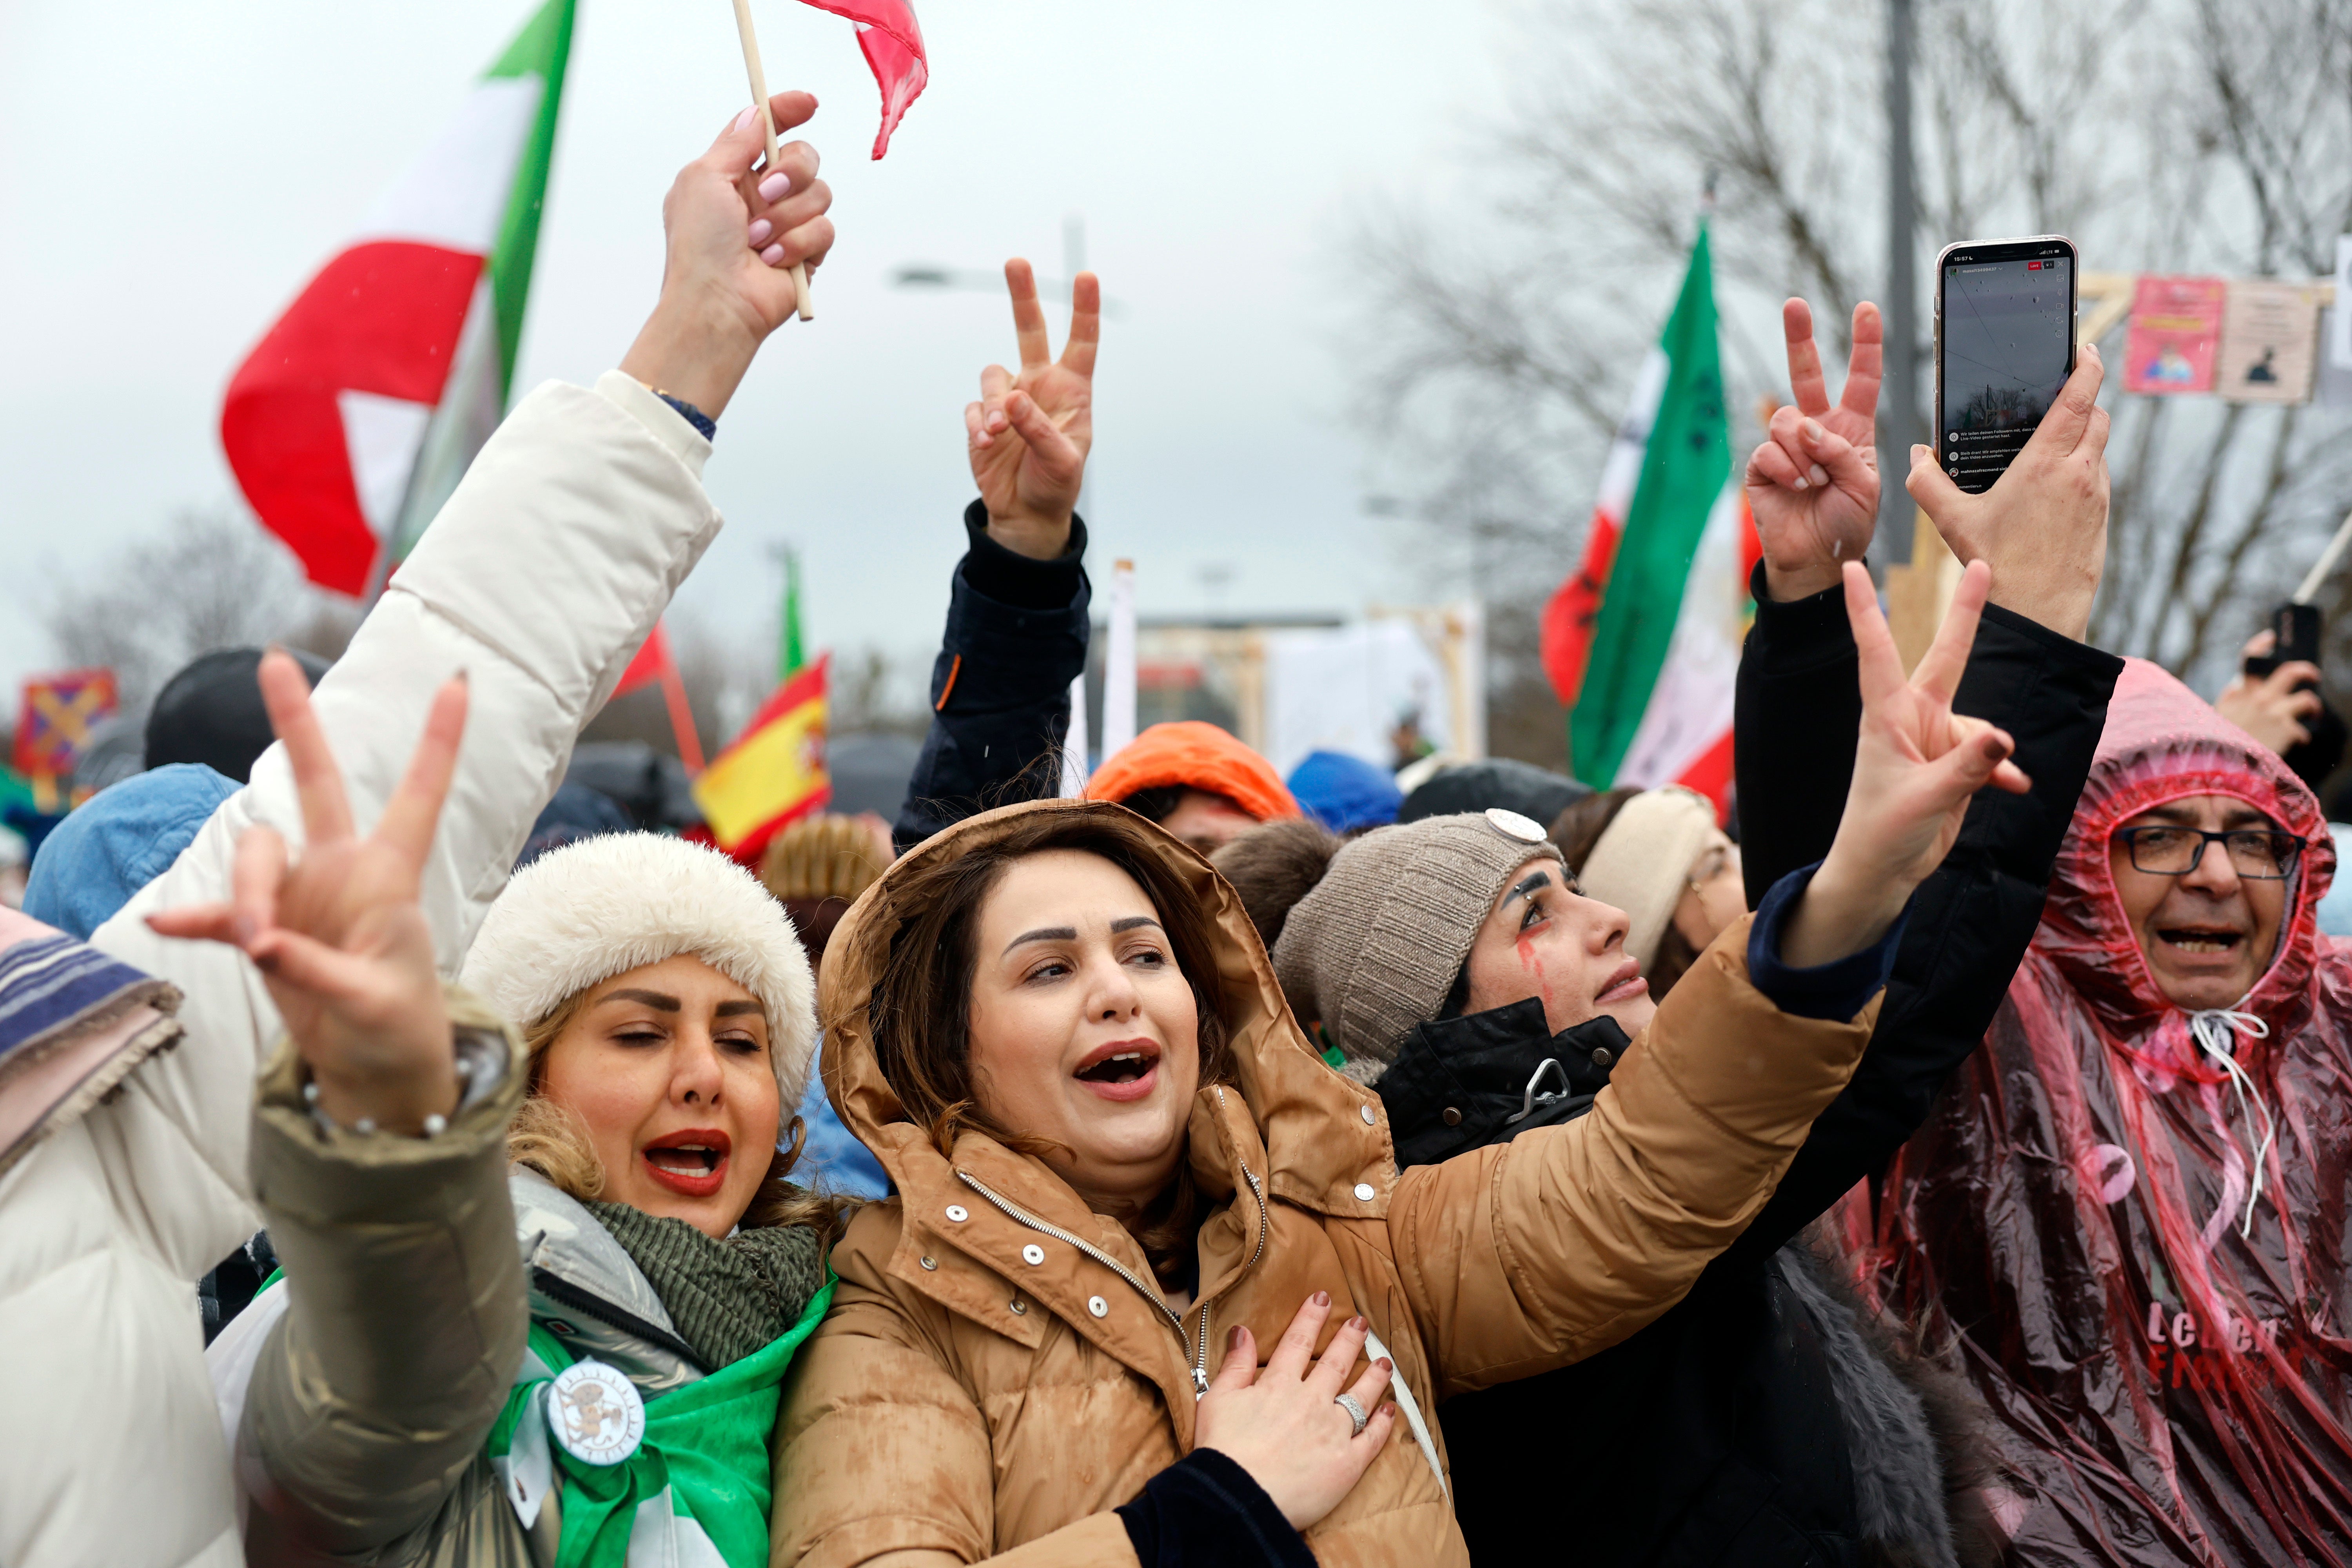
column 728, row 1298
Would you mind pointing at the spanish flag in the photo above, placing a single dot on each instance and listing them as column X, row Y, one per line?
column 773, row 773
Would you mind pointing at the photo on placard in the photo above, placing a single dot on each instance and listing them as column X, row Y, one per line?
column 2270, row 330
column 2176, row 327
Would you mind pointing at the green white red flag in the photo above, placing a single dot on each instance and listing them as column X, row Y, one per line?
column 1642, row 645
column 357, row 414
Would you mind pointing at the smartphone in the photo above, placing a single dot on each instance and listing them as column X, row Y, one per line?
column 2004, row 347
column 2295, row 630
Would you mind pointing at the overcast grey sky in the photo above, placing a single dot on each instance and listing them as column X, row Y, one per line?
column 171, row 174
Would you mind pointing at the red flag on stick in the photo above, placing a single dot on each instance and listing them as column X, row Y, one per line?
column 653, row 665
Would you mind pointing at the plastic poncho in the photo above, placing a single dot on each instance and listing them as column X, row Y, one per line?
column 2171, row 1382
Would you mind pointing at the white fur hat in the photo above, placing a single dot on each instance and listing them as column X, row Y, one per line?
column 580, row 914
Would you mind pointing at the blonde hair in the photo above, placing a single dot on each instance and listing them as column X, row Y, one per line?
column 551, row 1139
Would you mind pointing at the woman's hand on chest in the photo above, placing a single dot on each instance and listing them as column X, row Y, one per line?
column 1287, row 1426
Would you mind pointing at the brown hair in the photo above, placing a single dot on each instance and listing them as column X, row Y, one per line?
column 1576, row 830
column 920, row 1009
column 550, row 1138
column 1274, row 864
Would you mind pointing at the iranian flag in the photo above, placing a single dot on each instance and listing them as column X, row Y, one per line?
column 356, row 416
column 1643, row 643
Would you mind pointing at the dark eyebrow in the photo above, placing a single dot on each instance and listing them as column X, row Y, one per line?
column 1132, row 922
column 1527, row 885
column 1043, row 933
column 653, row 999
column 2246, row 817
column 730, row 1009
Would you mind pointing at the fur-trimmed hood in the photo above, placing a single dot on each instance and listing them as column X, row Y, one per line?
column 580, row 914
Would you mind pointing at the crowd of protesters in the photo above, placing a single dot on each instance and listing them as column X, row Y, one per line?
column 413, row 1157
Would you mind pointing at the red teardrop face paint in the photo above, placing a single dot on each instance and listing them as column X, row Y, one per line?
column 1531, row 962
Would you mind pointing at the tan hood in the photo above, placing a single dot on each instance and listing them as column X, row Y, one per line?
column 1305, row 1113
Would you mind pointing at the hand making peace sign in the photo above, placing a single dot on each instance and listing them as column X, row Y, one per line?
column 339, row 936
column 1030, row 433
column 1916, row 766
column 1813, row 484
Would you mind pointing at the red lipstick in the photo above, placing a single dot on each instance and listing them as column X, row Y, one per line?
column 695, row 1161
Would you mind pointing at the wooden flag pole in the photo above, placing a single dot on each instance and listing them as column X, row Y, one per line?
column 768, row 120
column 2324, row 567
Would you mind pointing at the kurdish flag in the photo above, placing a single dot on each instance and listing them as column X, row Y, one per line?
column 773, row 774
column 1642, row 644
column 357, row 414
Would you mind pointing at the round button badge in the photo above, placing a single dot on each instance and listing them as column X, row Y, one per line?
column 595, row 1412
column 1526, row 829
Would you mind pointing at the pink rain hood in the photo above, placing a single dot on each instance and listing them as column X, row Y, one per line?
column 2171, row 1382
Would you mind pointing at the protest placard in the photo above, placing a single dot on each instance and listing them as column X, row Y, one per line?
column 2176, row 327
column 2339, row 342
column 2334, row 388
column 2270, row 332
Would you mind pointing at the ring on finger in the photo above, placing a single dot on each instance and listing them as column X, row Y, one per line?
column 1356, row 1413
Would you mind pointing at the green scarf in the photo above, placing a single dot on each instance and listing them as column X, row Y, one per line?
column 702, row 1469
column 727, row 1298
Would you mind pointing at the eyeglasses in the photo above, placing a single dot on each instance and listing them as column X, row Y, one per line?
column 2258, row 854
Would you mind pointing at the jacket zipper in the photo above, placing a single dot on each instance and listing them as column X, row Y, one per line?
column 1200, row 1347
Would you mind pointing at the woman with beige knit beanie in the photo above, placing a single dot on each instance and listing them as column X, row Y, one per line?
column 1657, row 855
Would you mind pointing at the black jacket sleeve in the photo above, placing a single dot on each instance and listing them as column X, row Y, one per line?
column 1016, row 638
column 1799, row 709
column 1204, row 1509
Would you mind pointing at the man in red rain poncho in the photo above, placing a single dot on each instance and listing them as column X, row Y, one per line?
column 2128, row 1215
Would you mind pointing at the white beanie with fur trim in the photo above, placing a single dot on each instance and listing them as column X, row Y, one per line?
column 580, row 914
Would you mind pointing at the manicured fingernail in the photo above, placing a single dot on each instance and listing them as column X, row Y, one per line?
column 773, row 187
column 1232, row 1339
column 1813, row 430
column 773, row 256
column 1818, row 474
column 1358, row 1324
column 1801, row 481
column 745, row 118
column 1385, row 1364
column 760, row 231
column 1322, row 1298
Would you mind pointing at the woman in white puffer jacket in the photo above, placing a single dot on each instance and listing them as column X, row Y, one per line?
column 538, row 580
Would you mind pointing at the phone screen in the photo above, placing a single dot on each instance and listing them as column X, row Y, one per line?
column 2006, row 326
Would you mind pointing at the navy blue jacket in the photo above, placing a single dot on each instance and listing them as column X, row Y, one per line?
column 1016, row 638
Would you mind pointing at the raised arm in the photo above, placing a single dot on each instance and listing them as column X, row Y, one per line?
column 1534, row 1253
column 538, row 580
column 2042, row 529
column 1018, row 623
column 379, row 1160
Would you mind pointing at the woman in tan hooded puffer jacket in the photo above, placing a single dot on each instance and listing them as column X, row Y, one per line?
column 1116, row 1152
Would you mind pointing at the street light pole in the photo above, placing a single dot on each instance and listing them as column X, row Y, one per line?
column 1898, row 423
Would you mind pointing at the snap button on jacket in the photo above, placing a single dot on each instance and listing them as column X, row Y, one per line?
column 926, row 1424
